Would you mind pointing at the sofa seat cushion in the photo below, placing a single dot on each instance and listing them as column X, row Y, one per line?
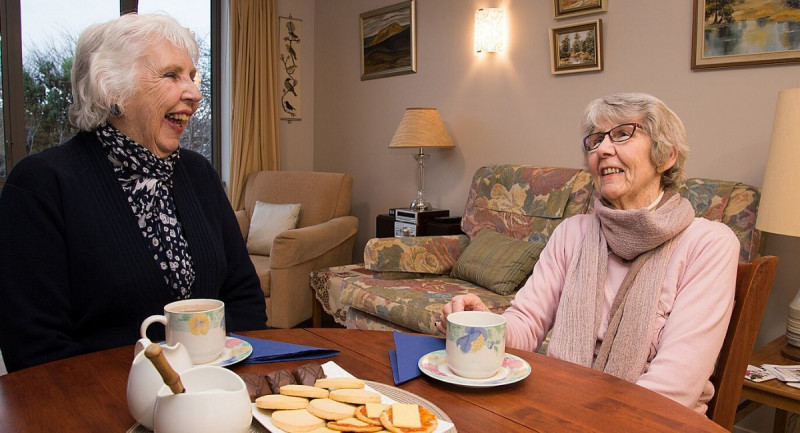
column 415, row 304
column 261, row 264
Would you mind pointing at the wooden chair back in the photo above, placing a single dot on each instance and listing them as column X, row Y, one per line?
column 753, row 283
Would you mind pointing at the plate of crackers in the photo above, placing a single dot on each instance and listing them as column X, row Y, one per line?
column 340, row 402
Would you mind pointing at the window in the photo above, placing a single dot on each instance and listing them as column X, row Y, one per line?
column 37, row 41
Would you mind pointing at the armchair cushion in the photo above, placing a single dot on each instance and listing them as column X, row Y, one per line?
column 424, row 254
column 268, row 221
column 497, row 262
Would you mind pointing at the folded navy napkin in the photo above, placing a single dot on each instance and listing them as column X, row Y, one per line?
column 276, row 351
column 408, row 350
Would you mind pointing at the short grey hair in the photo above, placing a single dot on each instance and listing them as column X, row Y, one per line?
column 661, row 124
column 106, row 62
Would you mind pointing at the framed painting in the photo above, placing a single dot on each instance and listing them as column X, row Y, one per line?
column 577, row 47
column 571, row 8
column 728, row 33
column 388, row 41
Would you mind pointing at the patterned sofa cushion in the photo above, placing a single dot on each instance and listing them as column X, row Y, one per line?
column 525, row 202
column 424, row 254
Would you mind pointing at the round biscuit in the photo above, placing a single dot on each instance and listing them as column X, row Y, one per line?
column 304, row 391
column 330, row 409
column 296, row 420
column 278, row 401
column 355, row 396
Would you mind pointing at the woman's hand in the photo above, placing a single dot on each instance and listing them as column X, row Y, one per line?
column 459, row 303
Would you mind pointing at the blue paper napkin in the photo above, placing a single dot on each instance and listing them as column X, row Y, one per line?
column 276, row 351
column 408, row 350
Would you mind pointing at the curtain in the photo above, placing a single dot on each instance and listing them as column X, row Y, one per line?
column 255, row 138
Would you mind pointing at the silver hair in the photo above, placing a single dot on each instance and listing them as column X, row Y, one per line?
column 661, row 124
column 107, row 62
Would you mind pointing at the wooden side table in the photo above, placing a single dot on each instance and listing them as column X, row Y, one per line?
column 773, row 393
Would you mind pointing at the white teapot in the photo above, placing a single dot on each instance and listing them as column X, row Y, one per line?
column 144, row 381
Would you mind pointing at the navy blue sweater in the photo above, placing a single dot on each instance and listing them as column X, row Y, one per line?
column 76, row 275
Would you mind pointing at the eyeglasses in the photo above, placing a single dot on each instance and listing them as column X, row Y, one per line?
column 617, row 134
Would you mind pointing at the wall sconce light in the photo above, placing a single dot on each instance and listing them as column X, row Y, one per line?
column 490, row 30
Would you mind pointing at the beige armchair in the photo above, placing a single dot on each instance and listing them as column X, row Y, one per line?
column 324, row 237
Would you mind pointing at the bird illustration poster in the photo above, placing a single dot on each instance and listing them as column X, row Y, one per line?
column 290, row 67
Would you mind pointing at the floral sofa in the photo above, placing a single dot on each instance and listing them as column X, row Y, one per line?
column 404, row 282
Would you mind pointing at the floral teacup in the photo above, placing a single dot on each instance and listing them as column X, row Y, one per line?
column 476, row 343
column 198, row 324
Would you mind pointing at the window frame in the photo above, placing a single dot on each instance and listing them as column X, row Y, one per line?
column 13, row 97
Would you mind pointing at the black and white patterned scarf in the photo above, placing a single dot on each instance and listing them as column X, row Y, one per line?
column 147, row 182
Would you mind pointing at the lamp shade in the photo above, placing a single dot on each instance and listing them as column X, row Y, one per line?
column 421, row 127
column 490, row 30
column 779, row 207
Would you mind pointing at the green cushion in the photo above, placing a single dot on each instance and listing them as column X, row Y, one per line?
column 497, row 262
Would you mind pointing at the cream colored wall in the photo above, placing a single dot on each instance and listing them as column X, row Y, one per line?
column 508, row 108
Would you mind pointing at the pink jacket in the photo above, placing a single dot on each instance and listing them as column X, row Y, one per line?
column 693, row 313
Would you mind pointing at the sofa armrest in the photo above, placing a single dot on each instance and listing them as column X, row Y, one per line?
column 300, row 245
column 423, row 254
column 244, row 222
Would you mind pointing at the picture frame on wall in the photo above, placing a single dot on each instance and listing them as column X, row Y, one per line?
column 388, row 41
column 571, row 8
column 290, row 29
column 577, row 47
column 737, row 33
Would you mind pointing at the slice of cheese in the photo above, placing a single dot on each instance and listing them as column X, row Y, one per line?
column 374, row 409
column 406, row 415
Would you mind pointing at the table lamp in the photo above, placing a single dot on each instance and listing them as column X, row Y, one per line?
column 421, row 128
column 779, row 208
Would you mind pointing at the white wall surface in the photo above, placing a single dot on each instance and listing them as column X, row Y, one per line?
column 509, row 108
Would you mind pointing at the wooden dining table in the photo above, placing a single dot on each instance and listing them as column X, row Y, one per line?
column 87, row 393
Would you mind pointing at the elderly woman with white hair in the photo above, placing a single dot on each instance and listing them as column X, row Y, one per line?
column 640, row 289
column 104, row 230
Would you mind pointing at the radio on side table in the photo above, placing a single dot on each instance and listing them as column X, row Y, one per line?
column 401, row 222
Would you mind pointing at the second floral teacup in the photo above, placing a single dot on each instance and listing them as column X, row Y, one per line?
column 198, row 324
column 476, row 343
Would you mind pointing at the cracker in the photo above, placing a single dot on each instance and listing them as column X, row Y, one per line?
column 339, row 383
column 330, row 409
column 353, row 425
column 278, row 401
column 296, row 420
column 304, row 391
column 355, row 396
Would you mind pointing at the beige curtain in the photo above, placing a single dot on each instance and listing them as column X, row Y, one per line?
column 255, row 139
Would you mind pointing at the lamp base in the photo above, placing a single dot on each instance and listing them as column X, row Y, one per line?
column 420, row 205
column 791, row 352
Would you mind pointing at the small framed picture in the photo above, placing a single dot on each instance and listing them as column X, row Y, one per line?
column 577, row 47
column 388, row 41
column 745, row 33
column 571, row 8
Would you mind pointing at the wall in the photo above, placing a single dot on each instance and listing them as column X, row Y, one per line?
column 508, row 108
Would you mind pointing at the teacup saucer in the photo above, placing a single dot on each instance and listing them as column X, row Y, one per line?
column 235, row 350
column 513, row 370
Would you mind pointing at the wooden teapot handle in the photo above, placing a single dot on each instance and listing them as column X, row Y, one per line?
column 170, row 376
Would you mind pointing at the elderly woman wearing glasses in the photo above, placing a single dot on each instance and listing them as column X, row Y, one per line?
column 640, row 289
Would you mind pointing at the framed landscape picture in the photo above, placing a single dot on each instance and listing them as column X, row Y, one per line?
column 388, row 41
column 729, row 33
column 577, row 47
column 571, row 8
